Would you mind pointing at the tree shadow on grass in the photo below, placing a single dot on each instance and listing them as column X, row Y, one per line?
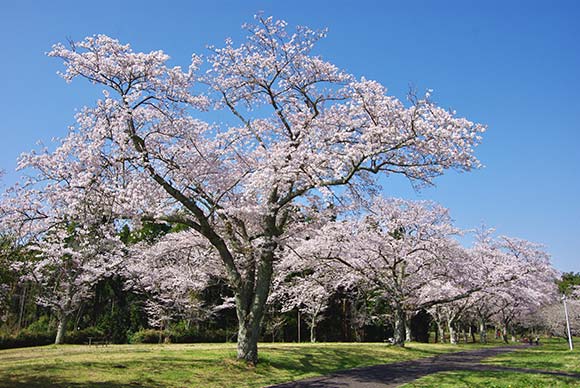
column 54, row 382
column 58, row 374
column 404, row 372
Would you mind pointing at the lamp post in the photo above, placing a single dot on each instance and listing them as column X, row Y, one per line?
column 567, row 323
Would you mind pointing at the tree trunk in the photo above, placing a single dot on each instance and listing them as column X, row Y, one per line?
column 22, row 305
column 248, row 333
column 505, row 334
column 61, row 330
column 313, row 329
column 400, row 332
column 441, row 331
column 345, row 331
column 452, row 332
column 250, row 305
column 482, row 332
column 408, row 335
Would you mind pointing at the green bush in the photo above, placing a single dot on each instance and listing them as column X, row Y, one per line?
column 25, row 338
column 179, row 333
column 146, row 336
column 82, row 336
column 43, row 325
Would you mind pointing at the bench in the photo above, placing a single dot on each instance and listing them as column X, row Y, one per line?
column 98, row 342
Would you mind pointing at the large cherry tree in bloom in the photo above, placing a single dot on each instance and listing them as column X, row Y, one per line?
column 293, row 126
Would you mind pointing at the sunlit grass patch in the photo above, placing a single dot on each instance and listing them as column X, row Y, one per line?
column 194, row 365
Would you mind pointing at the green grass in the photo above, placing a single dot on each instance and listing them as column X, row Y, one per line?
column 553, row 355
column 472, row 379
column 193, row 365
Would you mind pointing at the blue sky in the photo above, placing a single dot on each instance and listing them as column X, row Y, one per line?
column 513, row 65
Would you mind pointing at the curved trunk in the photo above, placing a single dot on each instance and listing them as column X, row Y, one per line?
column 60, row 332
column 408, row 334
column 313, row 330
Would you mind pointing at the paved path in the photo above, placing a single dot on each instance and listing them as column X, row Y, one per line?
column 393, row 375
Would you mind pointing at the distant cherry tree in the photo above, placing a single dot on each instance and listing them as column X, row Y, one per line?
column 67, row 264
column 399, row 249
column 172, row 271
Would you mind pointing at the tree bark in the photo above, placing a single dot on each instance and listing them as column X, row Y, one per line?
column 400, row 332
column 452, row 332
column 441, row 331
column 250, row 305
column 60, row 332
column 408, row 334
column 482, row 332
column 313, row 329
column 504, row 334
column 248, row 333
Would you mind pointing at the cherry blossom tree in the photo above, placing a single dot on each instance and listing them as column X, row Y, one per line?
column 172, row 271
column 553, row 319
column 68, row 265
column 400, row 249
column 300, row 128
column 302, row 284
column 510, row 278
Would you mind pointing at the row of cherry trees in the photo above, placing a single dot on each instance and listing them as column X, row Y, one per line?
column 278, row 196
column 401, row 255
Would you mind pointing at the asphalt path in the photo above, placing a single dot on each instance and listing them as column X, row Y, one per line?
column 396, row 374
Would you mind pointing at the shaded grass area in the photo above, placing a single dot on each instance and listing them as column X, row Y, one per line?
column 553, row 355
column 193, row 365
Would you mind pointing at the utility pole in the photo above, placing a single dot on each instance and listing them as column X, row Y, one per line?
column 567, row 323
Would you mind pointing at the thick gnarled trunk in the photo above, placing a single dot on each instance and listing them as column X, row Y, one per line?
column 248, row 333
column 250, row 305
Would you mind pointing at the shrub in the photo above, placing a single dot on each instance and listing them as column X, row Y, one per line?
column 25, row 338
column 82, row 336
column 43, row 325
column 146, row 336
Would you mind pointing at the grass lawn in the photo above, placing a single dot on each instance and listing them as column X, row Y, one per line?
column 553, row 355
column 193, row 365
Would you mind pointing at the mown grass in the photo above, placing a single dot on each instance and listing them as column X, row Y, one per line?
column 193, row 365
column 552, row 356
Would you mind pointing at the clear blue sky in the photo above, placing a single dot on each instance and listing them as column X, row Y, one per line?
column 513, row 65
